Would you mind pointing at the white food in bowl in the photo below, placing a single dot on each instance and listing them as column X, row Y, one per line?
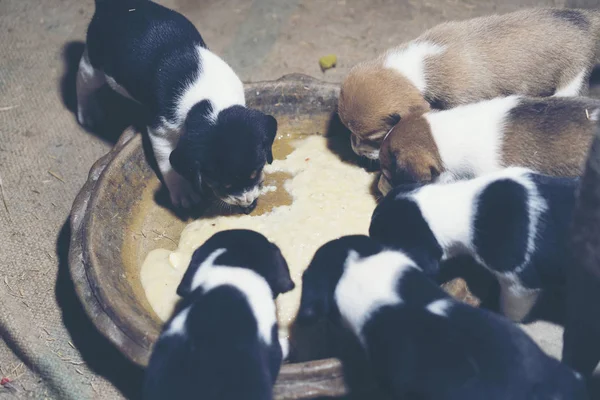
column 331, row 198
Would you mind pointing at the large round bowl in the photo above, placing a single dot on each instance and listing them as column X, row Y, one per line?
column 116, row 220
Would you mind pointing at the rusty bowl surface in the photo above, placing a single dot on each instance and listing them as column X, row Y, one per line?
column 116, row 220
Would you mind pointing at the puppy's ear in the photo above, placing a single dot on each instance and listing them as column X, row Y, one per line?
column 199, row 256
column 282, row 282
column 183, row 162
column 271, row 133
column 421, row 108
column 392, row 119
column 313, row 307
column 185, row 286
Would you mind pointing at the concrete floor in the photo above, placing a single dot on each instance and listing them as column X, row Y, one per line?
column 50, row 349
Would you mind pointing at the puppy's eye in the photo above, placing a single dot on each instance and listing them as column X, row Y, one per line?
column 228, row 186
column 254, row 174
column 392, row 119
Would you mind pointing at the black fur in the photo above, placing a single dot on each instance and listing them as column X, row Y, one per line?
column 501, row 224
column 245, row 249
column 575, row 17
column 151, row 51
column 466, row 354
column 239, row 129
column 397, row 222
column 500, row 229
column 318, row 302
column 220, row 354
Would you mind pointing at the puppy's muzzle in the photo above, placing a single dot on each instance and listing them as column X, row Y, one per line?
column 250, row 208
column 364, row 149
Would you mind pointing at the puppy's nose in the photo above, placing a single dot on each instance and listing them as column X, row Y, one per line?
column 251, row 207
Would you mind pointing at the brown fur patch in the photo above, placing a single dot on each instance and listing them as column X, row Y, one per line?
column 551, row 135
column 371, row 95
column 530, row 52
column 409, row 153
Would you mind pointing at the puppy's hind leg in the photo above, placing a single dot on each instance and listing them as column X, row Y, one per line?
column 89, row 80
column 163, row 142
column 516, row 302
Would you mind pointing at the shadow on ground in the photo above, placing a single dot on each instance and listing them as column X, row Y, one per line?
column 98, row 352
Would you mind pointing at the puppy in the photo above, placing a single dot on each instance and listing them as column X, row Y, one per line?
column 536, row 52
column 200, row 129
column 549, row 135
column 420, row 342
column 514, row 222
column 581, row 349
column 223, row 343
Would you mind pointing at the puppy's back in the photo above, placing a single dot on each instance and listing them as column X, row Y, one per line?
column 216, row 354
column 550, row 135
column 526, row 52
column 145, row 47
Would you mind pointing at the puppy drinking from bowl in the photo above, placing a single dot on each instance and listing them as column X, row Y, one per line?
column 223, row 344
column 514, row 222
column 548, row 135
column 536, row 52
column 200, row 129
column 420, row 342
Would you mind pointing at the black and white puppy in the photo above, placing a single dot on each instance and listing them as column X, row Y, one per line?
column 223, row 344
column 200, row 129
column 420, row 342
column 514, row 222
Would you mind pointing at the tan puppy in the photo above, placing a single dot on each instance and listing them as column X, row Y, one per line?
column 550, row 135
column 536, row 52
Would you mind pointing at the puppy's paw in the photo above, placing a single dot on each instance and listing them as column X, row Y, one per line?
column 284, row 342
column 181, row 192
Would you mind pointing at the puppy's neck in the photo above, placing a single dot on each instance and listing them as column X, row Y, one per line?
column 216, row 82
column 410, row 61
column 257, row 291
column 368, row 284
column 449, row 208
column 469, row 138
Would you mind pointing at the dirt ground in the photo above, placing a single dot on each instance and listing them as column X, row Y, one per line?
column 49, row 348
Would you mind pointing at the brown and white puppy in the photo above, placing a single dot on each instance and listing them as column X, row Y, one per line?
column 551, row 135
column 536, row 52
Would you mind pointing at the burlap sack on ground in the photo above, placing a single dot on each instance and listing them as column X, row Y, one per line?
column 50, row 349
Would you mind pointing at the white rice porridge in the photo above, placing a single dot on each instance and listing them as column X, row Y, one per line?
column 331, row 198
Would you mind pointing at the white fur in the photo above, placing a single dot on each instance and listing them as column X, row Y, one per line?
column 368, row 284
column 245, row 199
column 410, row 61
column 284, row 342
column 439, row 307
column 469, row 138
column 118, row 88
column 573, row 88
column 537, row 205
column 449, row 208
column 258, row 293
column 216, row 82
column 219, row 84
column 177, row 325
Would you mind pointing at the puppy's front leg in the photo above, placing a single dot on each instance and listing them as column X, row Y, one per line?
column 163, row 142
column 89, row 80
column 516, row 303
